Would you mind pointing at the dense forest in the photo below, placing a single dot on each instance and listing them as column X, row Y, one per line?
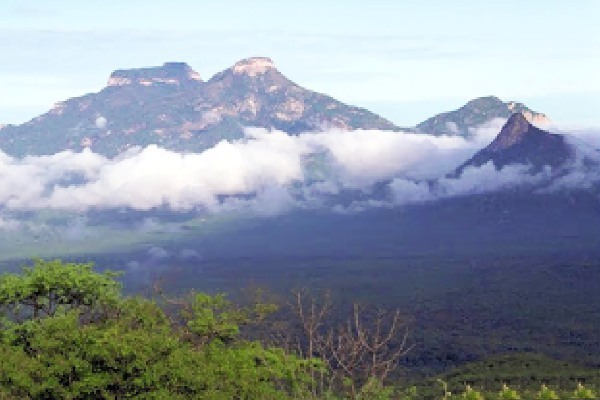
column 68, row 332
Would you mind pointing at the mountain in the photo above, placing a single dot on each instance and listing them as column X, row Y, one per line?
column 172, row 106
column 475, row 113
column 519, row 142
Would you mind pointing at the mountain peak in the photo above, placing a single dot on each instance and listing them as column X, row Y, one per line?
column 513, row 131
column 168, row 105
column 476, row 112
column 485, row 101
column 171, row 73
column 519, row 142
column 253, row 66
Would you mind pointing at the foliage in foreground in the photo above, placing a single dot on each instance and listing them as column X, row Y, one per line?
column 68, row 333
column 507, row 393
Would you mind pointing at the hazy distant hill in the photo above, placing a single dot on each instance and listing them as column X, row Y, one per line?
column 474, row 113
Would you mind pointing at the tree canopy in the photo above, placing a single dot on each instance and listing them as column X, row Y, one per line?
column 69, row 333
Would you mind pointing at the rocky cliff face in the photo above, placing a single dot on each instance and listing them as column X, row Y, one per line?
column 519, row 142
column 259, row 95
column 477, row 112
column 173, row 107
column 173, row 73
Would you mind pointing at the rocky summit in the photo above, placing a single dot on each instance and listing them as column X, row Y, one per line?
column 477, row 112
column 171, row 106
column 172, row 73
column 519, row 142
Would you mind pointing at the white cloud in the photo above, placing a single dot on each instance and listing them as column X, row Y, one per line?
column 157, row 252
column 452, row 127
column 487, row 179
column 100, row 122
column 268, row 173
column 264, row 164
column 7, row 224
column 405, row 191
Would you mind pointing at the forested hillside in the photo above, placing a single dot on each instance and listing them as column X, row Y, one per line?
column 67, row 332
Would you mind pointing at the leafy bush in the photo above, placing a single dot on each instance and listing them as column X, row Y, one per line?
column 68, row 333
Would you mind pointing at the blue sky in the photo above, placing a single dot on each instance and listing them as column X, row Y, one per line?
column 403, row 59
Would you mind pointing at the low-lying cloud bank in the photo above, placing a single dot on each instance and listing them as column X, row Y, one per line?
column 270, row 172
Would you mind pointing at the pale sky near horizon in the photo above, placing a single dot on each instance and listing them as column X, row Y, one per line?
column 405, row 60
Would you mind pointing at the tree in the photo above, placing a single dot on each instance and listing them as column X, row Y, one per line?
column 49, row 287
column 71, row 334
column 359, row 353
